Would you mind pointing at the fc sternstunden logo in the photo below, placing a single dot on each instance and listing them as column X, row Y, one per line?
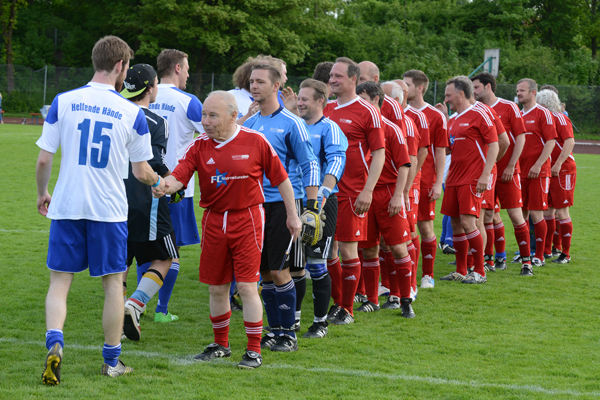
column 222, row 178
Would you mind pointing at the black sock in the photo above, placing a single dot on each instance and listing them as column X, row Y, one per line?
column 321, row 294
column 300, row 282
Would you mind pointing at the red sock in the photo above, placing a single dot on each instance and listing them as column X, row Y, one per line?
column 413, row 256
column 220, row 326
column 470, row 260
column 393, row 274
column 371, row 277
column 489, row 243
column 540, row 229
column 476, row 244
column 500, row 241
column 428, row 247
column 404, row 275
column 253, row 332
column 462, row 247
column 522, row 236
column 350, row 277
column 417, row 244
column 557, row 239
column 361, row 281
column 335, row 273
column 551, row 227
column 383, row 267
column 566, row 231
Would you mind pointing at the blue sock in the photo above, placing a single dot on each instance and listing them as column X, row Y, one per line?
column 141, row 270
column 54, row 336
column 286, row 298
column 444, row 234
column 111, row 354
column 165, row 292
column 501, row 255
column 232, row 288
column 270, row 299
column 449, row 232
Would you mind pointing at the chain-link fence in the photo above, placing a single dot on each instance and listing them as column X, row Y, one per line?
column 582, row 102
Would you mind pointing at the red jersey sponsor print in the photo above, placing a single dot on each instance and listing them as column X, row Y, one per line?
column 539, row 128
column 396, row 154
column 230, row 173
column 510, row 115
column 362, row 125
column 564, row 130
column 473, row 130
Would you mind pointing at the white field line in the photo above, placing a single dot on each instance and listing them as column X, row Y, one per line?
column 24, row 230
column 187, row 360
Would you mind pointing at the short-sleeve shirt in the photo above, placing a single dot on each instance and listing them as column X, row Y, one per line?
column 98, row 131
column 392, row 110
column 438, row 137
column 183, row 111
column 243, row 98
column 564, row 130
column 414, row 143
column 497, row 123
column 396, row 154
column 539, row 127
column 230, row 173
column 510, row 115
column 473, row 130
column 362, row 125
column 422, row 124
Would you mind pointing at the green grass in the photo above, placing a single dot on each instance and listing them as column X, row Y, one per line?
column 512, row 338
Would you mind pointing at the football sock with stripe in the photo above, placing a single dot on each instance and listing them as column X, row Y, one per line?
column 413, row 256
column 220, row 325
column 462, row 248
column 540, row 228
column 566, row 232
column 286, row 300
column 404, row 275
column 393, row 276
column 361, row 282
column 148, row 287
column 476, row 244
column 253, row 332
column 499, row 240
column 300, row 285
column 165, row 292
column 54, row 336
column 321, row 284
column 556, row 240
column 111, row 354
column 417, row 243
column 383, row 267
column 271, row 307
column 550, row 228
column 371, row 277
column 522, row 236
column 350, row 278
column 428, row 248
column 489, row 243
column 335, row 274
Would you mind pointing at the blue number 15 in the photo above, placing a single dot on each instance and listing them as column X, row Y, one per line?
column 98, row 159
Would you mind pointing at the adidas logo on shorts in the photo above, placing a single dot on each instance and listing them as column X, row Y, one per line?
column 520, row 201
column 317, row 250
column 357, row 233
column 544, row 204
column 350, row 278
column 473, row 209
column 431, row 213
column 405, row 233
column 483, row 202
column 566, row 202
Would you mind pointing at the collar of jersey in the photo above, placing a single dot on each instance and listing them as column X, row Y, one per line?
column 102, row 86
column 468, row 109
column 532, row 108
column 166, row 85
column 221, row 144
column 280, row 109
column 348, row 103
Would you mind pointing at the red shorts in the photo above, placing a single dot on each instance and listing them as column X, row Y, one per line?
column 562, row 190
column 509, row 193
column 489, row 196
column 232, row 244
column 426, row 208
column 462, row 200
column 535, row 193
column 350, row 227
column 395, row 230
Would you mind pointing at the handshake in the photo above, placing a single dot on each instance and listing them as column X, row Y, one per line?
column 161, row 187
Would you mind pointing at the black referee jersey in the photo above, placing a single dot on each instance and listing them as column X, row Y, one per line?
column 148, row 219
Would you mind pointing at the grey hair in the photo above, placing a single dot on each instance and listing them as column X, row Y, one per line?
column 397, row 92
column 228, row 98
column 548, row 99
column 462, row 84
column 532, row 84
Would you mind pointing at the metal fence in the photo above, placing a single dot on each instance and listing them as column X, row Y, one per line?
column 32, row 87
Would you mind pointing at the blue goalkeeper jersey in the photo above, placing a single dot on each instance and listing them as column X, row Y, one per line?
column 330, row 145
column 289, row 137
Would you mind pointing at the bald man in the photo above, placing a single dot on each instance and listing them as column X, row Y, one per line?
column 368, row 72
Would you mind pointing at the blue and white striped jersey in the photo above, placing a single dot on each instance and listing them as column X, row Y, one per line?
column 289, row 137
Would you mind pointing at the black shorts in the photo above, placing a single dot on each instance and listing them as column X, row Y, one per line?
column 160, row 249
column 324, row 248
column 277, row 238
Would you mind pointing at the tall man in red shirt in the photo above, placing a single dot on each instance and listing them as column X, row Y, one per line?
column 362, row 125
column 231, row 161
column 535, row 162
column 508, row 184
column 474, row 154
column 432, row 171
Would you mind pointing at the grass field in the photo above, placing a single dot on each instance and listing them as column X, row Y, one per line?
column 512, row 338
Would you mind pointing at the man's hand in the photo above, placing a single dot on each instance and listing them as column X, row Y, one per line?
column 322, row 196
column 508, row 173
column 363, row 202
column 556, row 169
column 294, row 225
column 395, row 206
column 443, row 108
column 406, row 196
column 436, row 192
column 534, row 172
column 160, row 190
column 290, row 99
column 312, row 226
column 482, row 183
column 43, row 202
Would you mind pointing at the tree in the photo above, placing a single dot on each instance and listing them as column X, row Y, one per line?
column 8, row 20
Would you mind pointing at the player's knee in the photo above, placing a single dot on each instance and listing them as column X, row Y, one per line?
column 399, row 250
column 246, row 289
column 372, row 252
column 220, row 290
column 316, row 267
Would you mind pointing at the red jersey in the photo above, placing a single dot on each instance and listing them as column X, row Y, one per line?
column 392, row 111
column 361, row 123
column 230, row 173
column 413, row 140
column 510, row 115
column 539, row 125
column 564, row 130
column 424, row 128
column 396, row 154
column 473, row 130
column 438, row 136
column 497, row 123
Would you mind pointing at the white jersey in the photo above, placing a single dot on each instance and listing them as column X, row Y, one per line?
column 243, row 98
column 183, row 111
column 98, row 132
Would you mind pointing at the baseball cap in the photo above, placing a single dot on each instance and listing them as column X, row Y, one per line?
column 139, row 77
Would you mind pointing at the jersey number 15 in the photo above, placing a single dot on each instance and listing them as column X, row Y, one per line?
column 98, row 159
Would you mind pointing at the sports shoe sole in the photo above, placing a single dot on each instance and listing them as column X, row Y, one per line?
column 131, row 329
column 51, row 374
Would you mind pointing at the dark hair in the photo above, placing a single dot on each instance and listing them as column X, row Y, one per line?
column 274, row 74
column 462, row 84
column 108, row 51
column 319, row 87
column 241, row 76
column 372, row 89
column 141, row 95
column 322, row 71
column 167, row 60
column 549, row 87
column 486, row 79
column 418, row 77
column 353, row 69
